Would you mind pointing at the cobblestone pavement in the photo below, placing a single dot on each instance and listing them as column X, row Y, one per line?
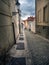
column 39, row 49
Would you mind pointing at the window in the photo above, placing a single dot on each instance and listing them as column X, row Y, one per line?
column 45, row 15
column 39, row 16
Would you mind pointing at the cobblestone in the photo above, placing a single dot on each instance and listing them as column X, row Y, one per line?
column 39, row 49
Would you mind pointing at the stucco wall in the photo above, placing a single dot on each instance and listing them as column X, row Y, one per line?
column 33, row 27
column 40, row 7
column 6, row 30
column 42, row 27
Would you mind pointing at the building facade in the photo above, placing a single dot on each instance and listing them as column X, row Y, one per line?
column 16, row 17
column 42, row 17
column 25, row 24
column 33, row 28
column 6, row 30
column 30, row 24
column 9, row 26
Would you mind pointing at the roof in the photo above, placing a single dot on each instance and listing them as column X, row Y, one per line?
column 31, row 18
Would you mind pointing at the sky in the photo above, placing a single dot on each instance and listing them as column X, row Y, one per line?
column 27, row 8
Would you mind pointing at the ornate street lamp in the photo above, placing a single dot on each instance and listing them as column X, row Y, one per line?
column 18, row 4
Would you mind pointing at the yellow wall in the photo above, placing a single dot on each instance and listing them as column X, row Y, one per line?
column 40, row 7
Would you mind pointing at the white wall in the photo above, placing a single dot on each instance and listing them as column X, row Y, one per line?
column 33, row 27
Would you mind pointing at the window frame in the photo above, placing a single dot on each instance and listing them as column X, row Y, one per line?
column 45, row 19
column 39, row 16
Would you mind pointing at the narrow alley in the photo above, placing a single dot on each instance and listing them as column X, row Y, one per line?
column 30, row 49
column 24, row 32
column 38, row 47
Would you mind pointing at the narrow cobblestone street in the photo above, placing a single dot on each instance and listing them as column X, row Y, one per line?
column 30, row 49
column 24, row 32
column 39, row 49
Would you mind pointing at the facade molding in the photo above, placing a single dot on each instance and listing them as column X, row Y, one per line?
column 5, row 14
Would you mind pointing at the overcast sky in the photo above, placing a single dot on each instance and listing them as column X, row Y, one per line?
column 27, row 8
